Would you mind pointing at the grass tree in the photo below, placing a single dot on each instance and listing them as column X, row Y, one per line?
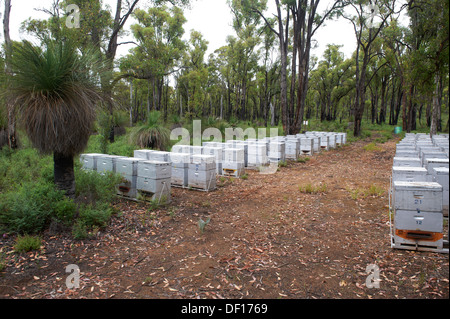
column 55, row 92
column 152, row 134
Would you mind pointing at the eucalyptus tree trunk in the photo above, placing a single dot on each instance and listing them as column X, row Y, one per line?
column 11, row 129
column 436, row 106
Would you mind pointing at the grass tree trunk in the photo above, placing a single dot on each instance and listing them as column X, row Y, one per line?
column 64, row 175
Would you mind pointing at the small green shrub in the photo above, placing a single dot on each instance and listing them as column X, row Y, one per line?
column 97, row 215
column 372, row 147
column 95, row 187
column 27, row 243
column 310, row 189
column 29, row 209
column 302, row 159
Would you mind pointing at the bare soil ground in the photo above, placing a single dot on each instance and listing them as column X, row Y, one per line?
column 265, row 239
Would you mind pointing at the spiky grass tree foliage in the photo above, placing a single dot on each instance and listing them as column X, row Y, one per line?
column 55, row 94
column 153, row 134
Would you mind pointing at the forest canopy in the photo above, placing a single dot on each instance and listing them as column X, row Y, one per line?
column 265, row 74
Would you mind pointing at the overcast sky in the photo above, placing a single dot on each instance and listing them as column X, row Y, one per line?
column 211, row 17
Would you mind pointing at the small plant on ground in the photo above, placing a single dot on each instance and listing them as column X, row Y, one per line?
column 27, row 243
column 372, row 147
column 202, row 224
column 302, row 159
column 311, row 189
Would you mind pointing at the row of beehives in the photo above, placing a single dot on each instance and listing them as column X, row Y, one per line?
column 150, row 174
column 420, row 191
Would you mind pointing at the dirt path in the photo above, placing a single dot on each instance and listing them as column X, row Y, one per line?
column 265, row 239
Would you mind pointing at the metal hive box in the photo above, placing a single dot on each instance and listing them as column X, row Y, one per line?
column 151, row 185
column 407, row 161
column 160, row 156
column 179, row 160
column 417, row 196
column 204, row 180
column 432, row 163
column 441, row 177
column 89, row 161
column 154, row 169
column 324, row 142
column 127, row 166
column 107, row 163
column 421, row 221
column 142, row 154
column 179, row 176
column 410, row 174
column 233, row 155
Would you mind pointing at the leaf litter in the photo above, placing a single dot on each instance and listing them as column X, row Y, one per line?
column 265, row 239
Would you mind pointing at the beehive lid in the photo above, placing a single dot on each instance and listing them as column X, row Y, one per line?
column 436, row 160
column 415, row 186
column 409, row 169
column 441, row 170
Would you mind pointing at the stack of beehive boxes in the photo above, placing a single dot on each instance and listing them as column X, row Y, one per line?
column 257, row 154
column 277, row 149
column 419, row 193
column 292, row 147
column 202, row 172
column 180, row 168
column 306, row 146
column 233, row 162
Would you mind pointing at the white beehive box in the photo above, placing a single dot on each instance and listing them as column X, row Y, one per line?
column 127, row 166
column 277, row 151
column 154, row 169
column 179, row 176
column 203, row 180
column 244, row 146
column 324, row 142
column 214, row 151
column 407, row 161
column 410, row 174
column 107, row 163
column 417, row 196
column 316, row 143
column 217, row 152
column 151, row 185
column 407, row 153
column 128, row 187
column 202, row 167
column 179, row 160
column 201, row 158
column 257, row 149
column 233, row 155
column 89, row 161
column 421, row 221
column 432, row 163
column 257, row 160
column 182, row 149
column 160, row 156
column 331, row 140
column 292, row 147
column 432, row 154
column 197, row 150
column 306, row 146
column 234, row 169
column 142, row 154
column 441, row 176
column 339, row 139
